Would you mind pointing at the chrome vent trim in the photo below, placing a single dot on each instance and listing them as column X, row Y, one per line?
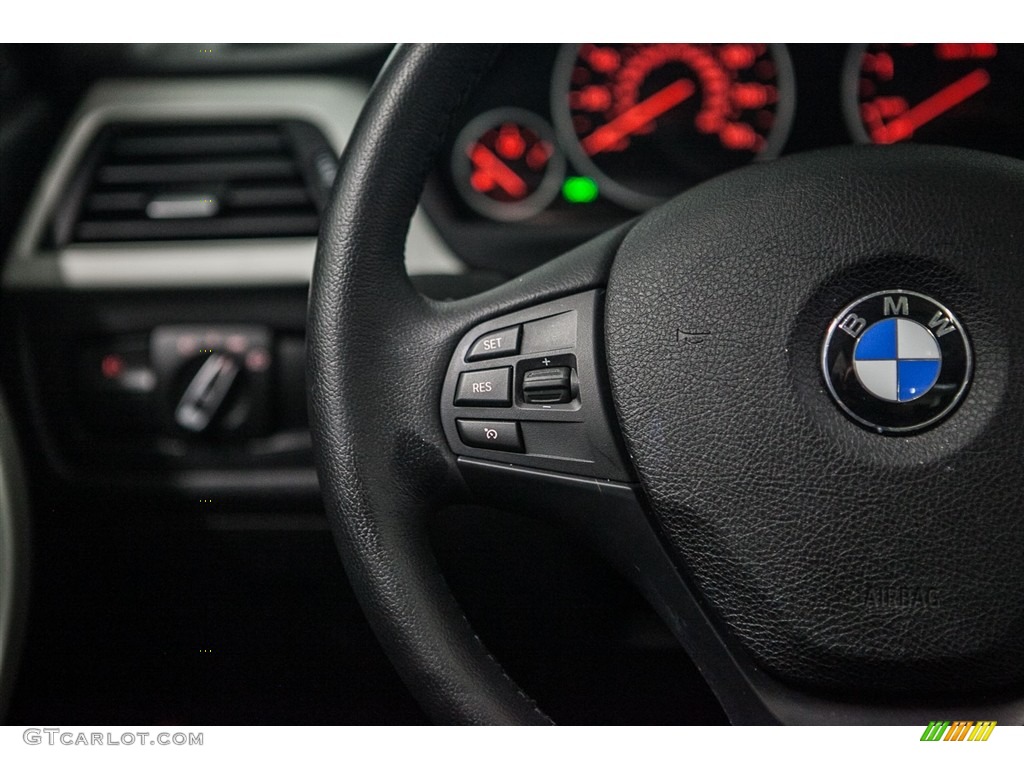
column 330, row 104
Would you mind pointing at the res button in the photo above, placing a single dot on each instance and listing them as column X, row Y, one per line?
column 495, row 344
column 490, row 387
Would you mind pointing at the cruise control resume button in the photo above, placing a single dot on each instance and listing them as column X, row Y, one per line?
column 490, row 387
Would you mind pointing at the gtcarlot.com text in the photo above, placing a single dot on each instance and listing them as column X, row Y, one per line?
column 59, row 736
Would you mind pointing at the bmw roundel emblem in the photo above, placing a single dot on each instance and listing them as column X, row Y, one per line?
column 896, row 361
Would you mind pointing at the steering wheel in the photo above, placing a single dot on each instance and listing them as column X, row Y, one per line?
column 824, row 553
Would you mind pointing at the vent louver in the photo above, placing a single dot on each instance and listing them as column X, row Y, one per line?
column 145, row 182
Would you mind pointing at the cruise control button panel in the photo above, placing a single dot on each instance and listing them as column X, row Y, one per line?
column 496, row 435
column 527, row 388
column 499, row 343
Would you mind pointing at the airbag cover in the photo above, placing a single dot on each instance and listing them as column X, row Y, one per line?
column 840, row 558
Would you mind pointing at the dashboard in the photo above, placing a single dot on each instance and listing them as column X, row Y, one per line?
column 563, row 141
column 154, row 332
column 184, row 192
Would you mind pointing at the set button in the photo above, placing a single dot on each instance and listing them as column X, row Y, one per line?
column 495, row 344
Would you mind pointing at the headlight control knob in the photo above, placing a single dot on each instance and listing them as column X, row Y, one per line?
column 206, row 393
column 213, row 380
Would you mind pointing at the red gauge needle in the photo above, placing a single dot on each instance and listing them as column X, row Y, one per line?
column 503, row 176
column 637, row 116
column 904, row 125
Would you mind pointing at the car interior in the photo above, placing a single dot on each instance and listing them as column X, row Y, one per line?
column 366, row 384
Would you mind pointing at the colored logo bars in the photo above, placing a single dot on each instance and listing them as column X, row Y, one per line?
column 959, row 730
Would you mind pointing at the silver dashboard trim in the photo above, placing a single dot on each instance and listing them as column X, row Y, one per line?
column 331, row 104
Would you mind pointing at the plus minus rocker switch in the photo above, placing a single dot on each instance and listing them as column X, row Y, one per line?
column 547, row 386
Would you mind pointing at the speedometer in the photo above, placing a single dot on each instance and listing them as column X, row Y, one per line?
column 648, row 120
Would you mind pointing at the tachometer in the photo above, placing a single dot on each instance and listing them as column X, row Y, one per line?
column 648, row 120
column 963, row 94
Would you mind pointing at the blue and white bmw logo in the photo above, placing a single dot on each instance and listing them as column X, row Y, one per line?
column 896, row 361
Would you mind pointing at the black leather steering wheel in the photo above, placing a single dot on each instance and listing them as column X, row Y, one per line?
column 816, row 571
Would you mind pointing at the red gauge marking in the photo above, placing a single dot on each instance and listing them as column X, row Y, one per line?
column 903, row 126
column 636, row 117
column 539, row 155
column 750, row 95
column 889, row 107
column 959, row 51
column 603, row 59
column 510, row 143
column 592, row 98
column 881, row 64
column 738, row 136
column 490, row 164
column 737, row 55
column 481, row 182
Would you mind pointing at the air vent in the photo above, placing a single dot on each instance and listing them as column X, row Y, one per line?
column 145, row 182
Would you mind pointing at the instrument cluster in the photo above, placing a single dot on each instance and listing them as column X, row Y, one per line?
column 567, row 140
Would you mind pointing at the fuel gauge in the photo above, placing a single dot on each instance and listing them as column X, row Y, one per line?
column 506, row 164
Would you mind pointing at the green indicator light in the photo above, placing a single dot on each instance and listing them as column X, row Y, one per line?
column 580, row 189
